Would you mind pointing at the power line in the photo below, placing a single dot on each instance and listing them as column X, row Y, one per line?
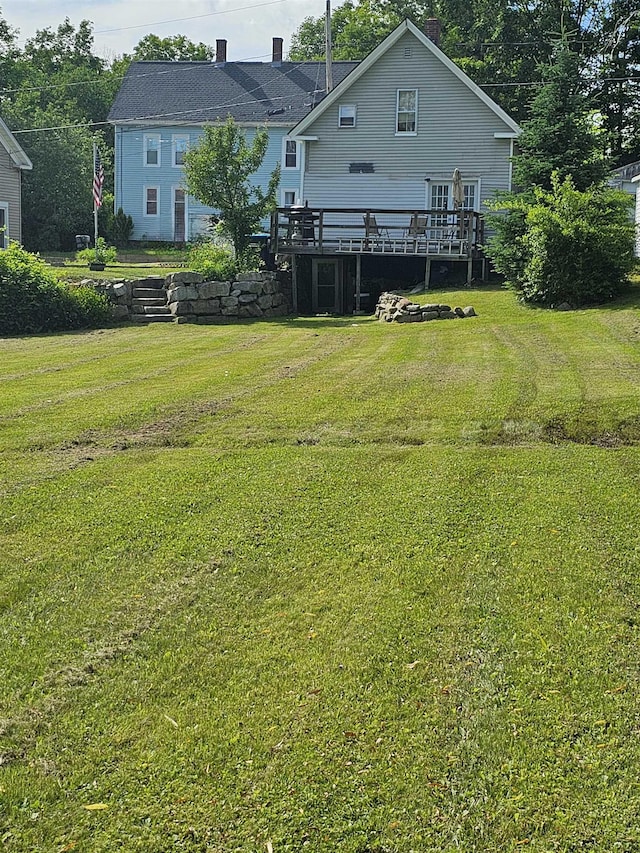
column 191, row 18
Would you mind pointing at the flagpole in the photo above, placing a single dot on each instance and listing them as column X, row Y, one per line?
column 95, row 205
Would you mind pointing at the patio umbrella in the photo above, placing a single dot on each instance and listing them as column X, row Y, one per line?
column 458, row 189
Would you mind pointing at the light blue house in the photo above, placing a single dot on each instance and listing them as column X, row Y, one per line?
column 159, row 113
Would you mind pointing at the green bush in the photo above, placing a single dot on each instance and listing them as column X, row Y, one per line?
column 120, row 228
column 102, row 253
column 214, row 262
column 32, row 300
column 563, row 245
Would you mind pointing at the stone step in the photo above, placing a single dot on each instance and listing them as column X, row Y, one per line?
column 139, row 306
column 148, row 293
column 152, row 281
column 155, row 309
column 153, row 318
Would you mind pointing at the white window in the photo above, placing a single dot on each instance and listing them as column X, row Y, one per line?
column 151, row 147
column 151, row 201
column 407, row 112
column 4, row 225
column 469, row 202
column 288, row 198
column 346, row 115
column 179, row 147
column 290, row 154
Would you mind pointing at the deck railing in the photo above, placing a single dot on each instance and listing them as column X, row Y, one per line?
column 437, row 233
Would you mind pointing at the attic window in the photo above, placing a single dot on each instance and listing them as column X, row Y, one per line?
column 361, row 168
column 346, row 115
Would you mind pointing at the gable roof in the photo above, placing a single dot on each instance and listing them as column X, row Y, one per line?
column 405, row 27
column 197, row 92
column 13, row 149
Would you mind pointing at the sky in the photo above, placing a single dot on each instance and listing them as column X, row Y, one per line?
column 118, row 25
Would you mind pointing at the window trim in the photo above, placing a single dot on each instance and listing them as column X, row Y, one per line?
column 5, row 235
column 174, row 148
column 341, row 115
column 415, row 113
column 145, row 139
column 283, row 197
column 145, row 199
column 285, row 141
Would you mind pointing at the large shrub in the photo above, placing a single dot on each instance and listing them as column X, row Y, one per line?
column 215, row 262
column 564, row 245
column 32, row 300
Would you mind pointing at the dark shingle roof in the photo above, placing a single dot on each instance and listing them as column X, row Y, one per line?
column 197, row 92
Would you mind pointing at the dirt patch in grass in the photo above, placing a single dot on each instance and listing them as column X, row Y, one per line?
column 582, row 427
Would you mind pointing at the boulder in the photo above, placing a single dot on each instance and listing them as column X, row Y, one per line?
column 184, row 277
column 469, row 312
column 179, row 309
column 213, row 289
column 182, row 293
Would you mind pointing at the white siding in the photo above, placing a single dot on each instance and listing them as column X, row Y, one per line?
column 455, row 130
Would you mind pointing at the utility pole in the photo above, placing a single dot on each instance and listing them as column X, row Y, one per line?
column 328, row 49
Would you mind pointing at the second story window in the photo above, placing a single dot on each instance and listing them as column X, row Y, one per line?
column 180, row 145
column 346, row 115
column 407, row 112
column 290, row 154
column 151, row 144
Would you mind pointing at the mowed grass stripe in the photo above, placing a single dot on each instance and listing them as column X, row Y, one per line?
column 295, row 623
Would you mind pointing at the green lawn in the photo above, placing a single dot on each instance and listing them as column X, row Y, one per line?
column 323, row 584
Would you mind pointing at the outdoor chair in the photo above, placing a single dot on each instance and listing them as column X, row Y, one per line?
column 371, row 227
column 417, row 226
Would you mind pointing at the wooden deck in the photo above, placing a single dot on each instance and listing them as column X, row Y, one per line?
column 456, row 235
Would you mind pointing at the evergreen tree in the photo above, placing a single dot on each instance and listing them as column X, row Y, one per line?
column 560, row 136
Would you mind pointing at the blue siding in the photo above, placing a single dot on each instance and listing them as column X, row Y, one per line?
column 133, row 177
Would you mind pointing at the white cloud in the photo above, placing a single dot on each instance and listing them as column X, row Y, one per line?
column 120, row 24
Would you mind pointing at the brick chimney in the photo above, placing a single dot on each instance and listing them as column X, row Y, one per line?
column 276, row 54
column 221, row 51
column 432, row 30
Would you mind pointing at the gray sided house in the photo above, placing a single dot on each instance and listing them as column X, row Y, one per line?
column 392, row 133
column 398, row 163
column 13, row 161
column 161, row 108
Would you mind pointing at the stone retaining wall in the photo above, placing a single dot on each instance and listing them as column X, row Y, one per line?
column 251, row 294
column 192, row 299
column 393, row 308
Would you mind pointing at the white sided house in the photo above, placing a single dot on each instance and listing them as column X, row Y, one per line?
column 13, row 161
column 378, row 156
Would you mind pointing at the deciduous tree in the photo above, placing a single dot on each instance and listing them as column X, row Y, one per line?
column 218, row 172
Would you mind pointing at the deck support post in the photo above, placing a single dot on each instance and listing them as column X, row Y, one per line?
column 427, row 273
column 469, row 269
column 294, row 283
column 484, row 268
column 358, row 283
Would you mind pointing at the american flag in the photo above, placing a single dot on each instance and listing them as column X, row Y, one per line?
column 98, row 179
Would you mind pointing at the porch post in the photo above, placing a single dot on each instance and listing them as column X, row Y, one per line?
column 427, row 271
column 358, row 282
column 469, row 268
column 294, row 283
